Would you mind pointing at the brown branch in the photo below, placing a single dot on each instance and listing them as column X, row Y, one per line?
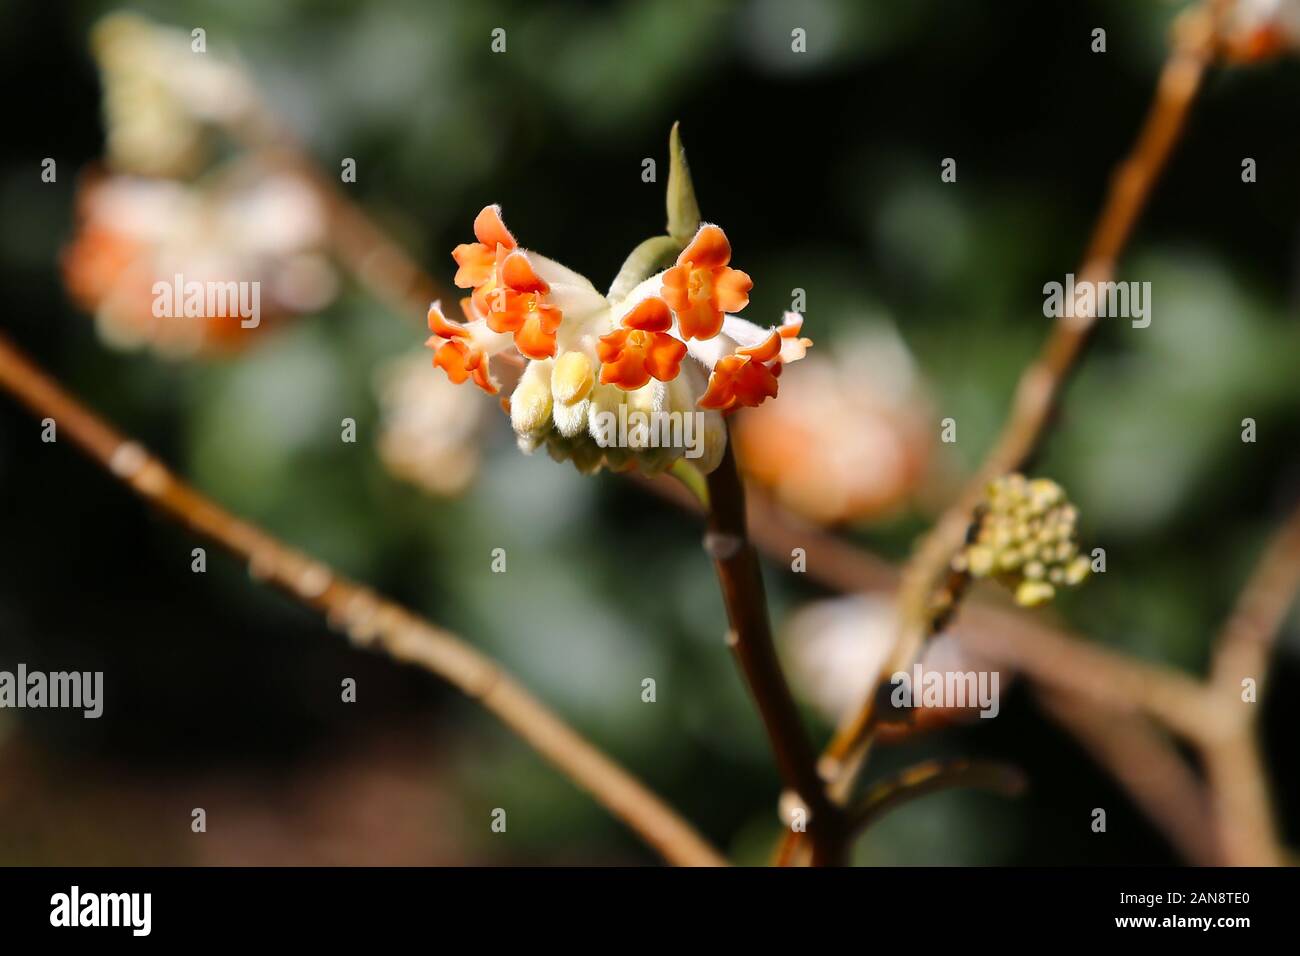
column 1043, row 382
column 1057, row 660
column 832, row 561
column 932, row 777
column 1146, row 764
column 1246, row 643
column 1241, row 807
column 1229, row 741
column 364, row 616
column 1095, row 685
column 1113, row 704
column 750, row 637
column 1116, row 706
column 1027, row 643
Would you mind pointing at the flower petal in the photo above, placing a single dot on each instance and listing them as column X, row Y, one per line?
column 708, row 250
column 454, row 358
column 676, row 288
column 765, row 352
column 627, row 370
column 491, row 231
column 720, row 394
column 731, row 289
column 663, row 358
column 441, row 326
column 738, row 380
column 475, row 263
column 517, row 274
column 699, row 320
column 533, row 338
column 483, row 379
column 649, row 315
column 610, row 345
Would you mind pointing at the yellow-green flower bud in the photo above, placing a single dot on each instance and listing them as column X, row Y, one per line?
column 1026, row 540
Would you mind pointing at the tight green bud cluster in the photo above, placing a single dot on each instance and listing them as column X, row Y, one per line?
column 1026, row 540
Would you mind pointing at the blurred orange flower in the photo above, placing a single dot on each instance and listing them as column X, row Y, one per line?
column 251, row 229
column 851, row 437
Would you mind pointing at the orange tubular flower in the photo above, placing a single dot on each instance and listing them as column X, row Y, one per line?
column 1256, row 30
column 701, row 288
column 748, row 378
column 739, row 380
column 520, row 306
column 642, row 349
column 667, row 343
column 476, row 261
column 455, row 354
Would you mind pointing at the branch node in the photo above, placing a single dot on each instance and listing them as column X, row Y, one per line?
column 722, row 546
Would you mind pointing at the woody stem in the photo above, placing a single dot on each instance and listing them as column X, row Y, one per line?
column 740, row 578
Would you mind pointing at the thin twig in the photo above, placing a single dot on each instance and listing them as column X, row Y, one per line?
column 750, row 637
column 1234, row 765
column 364, row 616
column 1099, row 685
column 1043, row 382
column 1060, row 661
column 1147, row 765
column 1246, row 642
column 931, row 777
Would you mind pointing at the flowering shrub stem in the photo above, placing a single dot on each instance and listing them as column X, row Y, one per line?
column 741, row 580
column 364, row 616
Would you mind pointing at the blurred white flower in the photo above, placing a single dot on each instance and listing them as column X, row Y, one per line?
column 161, row 96
column 431, row 432
column 837, row 648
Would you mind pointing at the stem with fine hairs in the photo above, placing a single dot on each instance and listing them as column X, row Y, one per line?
column 365, row 617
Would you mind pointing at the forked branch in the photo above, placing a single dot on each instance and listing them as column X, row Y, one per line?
column 1043, row 382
